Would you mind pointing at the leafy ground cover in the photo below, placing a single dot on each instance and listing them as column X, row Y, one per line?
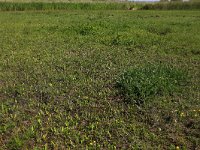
column 59, row 70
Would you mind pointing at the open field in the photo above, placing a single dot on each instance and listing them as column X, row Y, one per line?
column 96, row 79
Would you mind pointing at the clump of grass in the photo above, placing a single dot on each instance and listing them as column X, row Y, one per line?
column 122, row 39
column 138, row 84
column 84, row 29
column 15, row 143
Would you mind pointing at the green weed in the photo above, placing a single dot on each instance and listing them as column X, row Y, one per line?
column 15, row 143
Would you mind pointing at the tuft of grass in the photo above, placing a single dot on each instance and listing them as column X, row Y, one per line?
column 138, row 84
column 15, row 143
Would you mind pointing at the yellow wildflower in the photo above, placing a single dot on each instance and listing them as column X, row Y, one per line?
column 177, row 147
column 85, row 97
column 182, row 114
column 92, row 143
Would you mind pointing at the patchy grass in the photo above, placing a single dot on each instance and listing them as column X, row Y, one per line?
column 138, row 84
column 58, row 71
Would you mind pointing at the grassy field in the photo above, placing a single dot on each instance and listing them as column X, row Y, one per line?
column 96, row 79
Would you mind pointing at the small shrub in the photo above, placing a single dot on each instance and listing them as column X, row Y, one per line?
column 152, row 80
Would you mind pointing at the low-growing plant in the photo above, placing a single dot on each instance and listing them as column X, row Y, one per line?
column 138, row 84
column 85, row 30
column 15, row 143
column 122, row 39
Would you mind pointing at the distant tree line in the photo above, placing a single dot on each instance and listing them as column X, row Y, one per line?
column 175, row 0
column 171, row 0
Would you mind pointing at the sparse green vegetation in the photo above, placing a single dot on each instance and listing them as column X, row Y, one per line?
column 58, row 73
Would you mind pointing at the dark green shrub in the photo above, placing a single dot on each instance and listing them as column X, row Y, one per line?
column 138, row 84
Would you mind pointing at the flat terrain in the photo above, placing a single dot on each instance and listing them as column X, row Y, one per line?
column 58, row 74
